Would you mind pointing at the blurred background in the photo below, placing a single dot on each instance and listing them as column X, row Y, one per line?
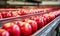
column 28, row 3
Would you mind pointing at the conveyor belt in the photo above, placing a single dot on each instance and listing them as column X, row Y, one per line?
column 47, row 30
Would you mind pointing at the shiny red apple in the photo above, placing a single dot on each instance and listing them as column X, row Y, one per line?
column 51, row 15
column 4, row 32
column 57, row 13
column 32, row 18
column 9, row 14
column 13, row 29
column 32, row 23
column 26, row 28
column 4, row 14
column 21, row 12
column 39, row 21
column 47, row 18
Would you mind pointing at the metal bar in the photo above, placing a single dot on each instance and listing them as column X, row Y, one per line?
column 22, row 16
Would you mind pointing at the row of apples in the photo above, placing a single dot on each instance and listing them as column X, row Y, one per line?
column 20, row 12
column 27, row 27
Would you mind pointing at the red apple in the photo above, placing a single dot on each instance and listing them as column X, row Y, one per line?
column 9, row 14
column 32, row 23
column 13, row 29
column 26, row 28
column 40, row 22
column 43, row 18
column 57, row 13
column 52, row 16
column 47, row 18
column 41, row 10
column 4, row 32
column 21, row 12
column 4, row 14
column 14, row 14
column 32, row 18
column 1, row 16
